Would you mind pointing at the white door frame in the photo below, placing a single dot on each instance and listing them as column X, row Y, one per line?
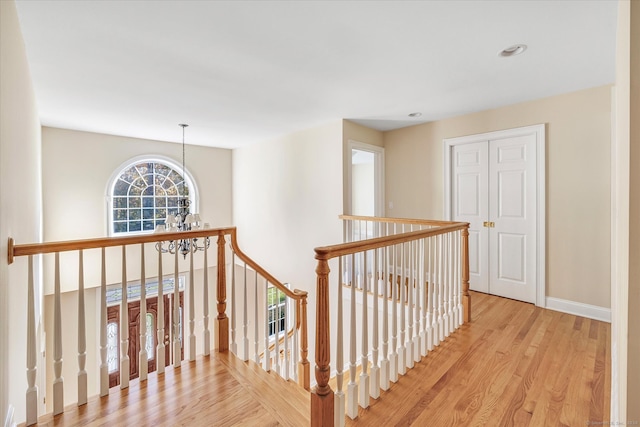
column 378, row 168
column 539, row 131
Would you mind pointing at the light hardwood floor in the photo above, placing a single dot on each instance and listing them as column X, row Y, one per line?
column 219, row 390
column 513, row 365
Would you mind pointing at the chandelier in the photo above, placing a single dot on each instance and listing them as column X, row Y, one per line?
column 183, row 220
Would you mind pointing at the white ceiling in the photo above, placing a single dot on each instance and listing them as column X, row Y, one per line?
column 242, row 72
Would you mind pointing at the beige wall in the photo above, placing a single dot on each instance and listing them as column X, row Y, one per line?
column 355, row 132
column 633, row 357
column 20, row 204
column 578, row 184
column 287, row 198
column 76, row 170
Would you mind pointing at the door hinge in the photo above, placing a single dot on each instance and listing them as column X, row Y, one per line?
column 489, row 224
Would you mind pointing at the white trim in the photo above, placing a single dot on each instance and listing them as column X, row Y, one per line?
column 595, row 312
column 540, row 133
column 378, row 171
column 194, row 194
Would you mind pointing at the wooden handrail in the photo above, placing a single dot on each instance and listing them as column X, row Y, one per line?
column 106, row 242
column 296, row 294
column 333, row 251
column 414, row 221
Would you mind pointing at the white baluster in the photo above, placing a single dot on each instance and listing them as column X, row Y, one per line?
column 267, row 351
column 104, row 368
column 295, row 351
column 339, row 397
column 450, row 304
column 205, row 304
column 234, row 345
column 409, row 307
column 58, row 382
column 440, row 289
column 416, row 302
column 124, row 325
column 192, row 308
column 352, row 387
column 245, row 319
column 375, row 369
column 177, row 345
column 255, row 320
column 286, row 340
column 160, row 349
column 277, row 319
column 459, row 280
column 82, row 334
column 402, row 351
column 446, row 283
column 384, row 364
column 143, row 363
column 32, row 388
column 424, row 277
column 431, row 288
column 393, row 358
column 364, row 360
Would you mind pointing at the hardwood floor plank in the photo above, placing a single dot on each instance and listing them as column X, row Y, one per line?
column 217, row 390
column 514, row 365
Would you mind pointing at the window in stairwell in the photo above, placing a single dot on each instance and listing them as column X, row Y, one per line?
column 277, row 309
column 144, row 191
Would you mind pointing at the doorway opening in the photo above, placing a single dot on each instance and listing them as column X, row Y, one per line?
column 135, row 324
column 365, row 180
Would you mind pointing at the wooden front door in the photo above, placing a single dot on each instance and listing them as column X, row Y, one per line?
column 113, row 321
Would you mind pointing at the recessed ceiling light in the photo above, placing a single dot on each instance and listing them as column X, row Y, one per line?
column 416, row 114
column 514, row 50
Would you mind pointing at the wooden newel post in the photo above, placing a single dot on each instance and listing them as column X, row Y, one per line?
column 304, row 372
column 222, row 321
column 466, row 298
column 322, row 396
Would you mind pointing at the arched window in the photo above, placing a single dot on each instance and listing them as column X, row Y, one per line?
column 144, row 192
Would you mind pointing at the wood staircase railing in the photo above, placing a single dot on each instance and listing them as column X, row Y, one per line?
column 146, row 264
column 433, row 254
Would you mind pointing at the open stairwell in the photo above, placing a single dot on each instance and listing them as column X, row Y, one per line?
column 254, row 368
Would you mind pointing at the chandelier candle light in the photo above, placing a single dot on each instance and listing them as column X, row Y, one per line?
column 182, row 221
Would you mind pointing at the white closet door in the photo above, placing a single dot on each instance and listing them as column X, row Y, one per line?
column 470, row 204
column 512, row 208
column 492, row 182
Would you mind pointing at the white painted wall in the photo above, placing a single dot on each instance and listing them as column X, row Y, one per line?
column 287, row 198
column 20, row 204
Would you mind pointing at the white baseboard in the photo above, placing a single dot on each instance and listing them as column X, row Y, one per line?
column 579, row 309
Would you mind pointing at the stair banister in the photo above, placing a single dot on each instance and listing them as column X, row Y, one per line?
column 221, row 323
column 405, row 253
